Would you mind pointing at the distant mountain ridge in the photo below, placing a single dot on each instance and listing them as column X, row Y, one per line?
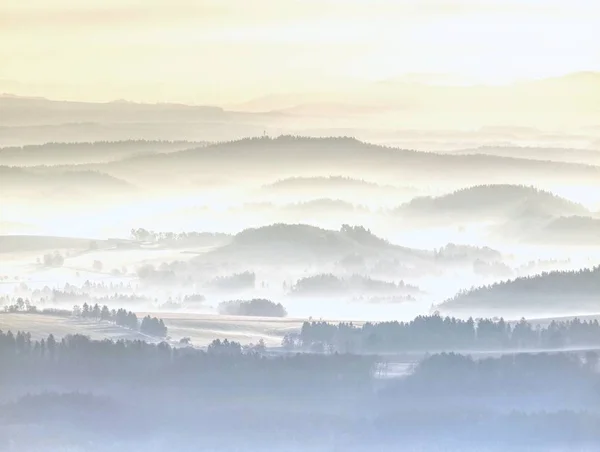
column 583, row 156
column 287, row 156
column 90, row 152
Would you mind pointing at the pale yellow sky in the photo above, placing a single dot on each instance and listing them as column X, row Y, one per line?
column 225, row 51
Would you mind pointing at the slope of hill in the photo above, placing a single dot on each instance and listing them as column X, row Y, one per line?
column 298, row 242
column 485, row 202
column 21, row 243
column 583, row 156
column 336, row 186
column 322, row 205
column 571, row 99
column 307, row 183
column 15, row 110
column 550, row 293
column 42, row 182
column 329, row 285
column 288, row 156
column 78, row 153
column 564, row 230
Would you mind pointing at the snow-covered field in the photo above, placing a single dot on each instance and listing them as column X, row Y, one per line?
column 201, row 329
column 41, row 326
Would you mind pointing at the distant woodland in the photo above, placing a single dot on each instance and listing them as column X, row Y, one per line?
column 436, row 333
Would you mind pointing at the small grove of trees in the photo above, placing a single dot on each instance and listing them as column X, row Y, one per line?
column 53, row 259
column 24, row 306
column 238, row 281
column 227, row 347
column 255, row 307
column 153, row 327
column 173, row 238
column 329, row 284
column 149, row 325
column 224, row 347
column 149, row 274
column 20, row 305
column 194, row 298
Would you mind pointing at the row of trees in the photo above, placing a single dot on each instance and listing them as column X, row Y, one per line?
column 255, row 307
column 153, row 326
column 237, row 281
column 329, row 284
column 149, row 325
column 53, row 259
column 436, row 333
column 197, row 238
column 77, row 358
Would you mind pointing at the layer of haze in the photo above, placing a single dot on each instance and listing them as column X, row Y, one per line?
column 230, row 51
column 186, row 186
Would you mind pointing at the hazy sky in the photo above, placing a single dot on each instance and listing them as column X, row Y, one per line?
column 222, row 51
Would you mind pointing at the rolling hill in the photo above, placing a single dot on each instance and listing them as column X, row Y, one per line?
column 20, row 243
column 303, row 243
column 583, row 156
column 559, row 231
column 484, row 202
column 338, row 187
column 548, row 294
column 49, row 183
column 259, row 159
column 79, row 153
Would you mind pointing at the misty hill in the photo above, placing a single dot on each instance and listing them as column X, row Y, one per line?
column 323, row 206
column 306, row 183
column 43, row 182
column 566, row 230
column 331, row 285
column 335, row 186
column 25, row 121
column 491, row 202
column 466, row 253
column 20, row 243
column 15, row 110
column 583, row 156
column 550, row 293
column 313, row 206
column 257, row 159
column 299, row 242
column 94, row 152
column 256, row 307
column 557, row 101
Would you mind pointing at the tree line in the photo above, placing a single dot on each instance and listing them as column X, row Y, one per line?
column 545, row 290
column 149, row 325
column 255, row 307
column 77, row 358
column 437, row 333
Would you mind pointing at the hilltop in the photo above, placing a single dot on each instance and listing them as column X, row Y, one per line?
column 299, row 242
column 564, row 230
column 257, row 159
column 583, row 156
column 46, row 182
column 550, row 293
column 79, row 153
column 484, row 202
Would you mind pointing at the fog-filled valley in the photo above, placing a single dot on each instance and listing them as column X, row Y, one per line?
column 337, row 262
column 299, row 226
